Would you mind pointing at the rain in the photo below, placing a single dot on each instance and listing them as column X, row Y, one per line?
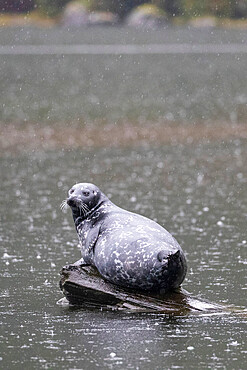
column 148, row 101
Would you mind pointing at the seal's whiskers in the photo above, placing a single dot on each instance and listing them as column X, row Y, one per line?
column 64, row 204
column 84, row 208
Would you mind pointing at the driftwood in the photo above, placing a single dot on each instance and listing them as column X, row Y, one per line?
column 83, row 286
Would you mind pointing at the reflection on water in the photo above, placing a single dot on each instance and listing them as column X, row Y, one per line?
column 197, row 192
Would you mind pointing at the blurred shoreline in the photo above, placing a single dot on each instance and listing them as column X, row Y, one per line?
column 101, row 90
column 31, row 137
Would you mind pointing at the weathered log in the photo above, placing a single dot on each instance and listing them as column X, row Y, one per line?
column 83, row 286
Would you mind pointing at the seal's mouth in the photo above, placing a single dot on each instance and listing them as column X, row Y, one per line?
column 78, row 206
column 73, row 202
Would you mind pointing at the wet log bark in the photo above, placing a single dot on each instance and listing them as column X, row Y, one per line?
column 83, row 286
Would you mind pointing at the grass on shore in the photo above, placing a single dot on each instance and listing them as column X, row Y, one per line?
column 29, row 19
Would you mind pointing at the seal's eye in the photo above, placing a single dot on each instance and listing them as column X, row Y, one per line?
column 86, row 193
column 71, row 191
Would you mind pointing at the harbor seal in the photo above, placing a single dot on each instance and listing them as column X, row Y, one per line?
column 127, row 249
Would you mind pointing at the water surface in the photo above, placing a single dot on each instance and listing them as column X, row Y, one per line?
column 86, row 88
column 198, row 192
column 195, row 188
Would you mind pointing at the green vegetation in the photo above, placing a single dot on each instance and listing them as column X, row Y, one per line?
column 187, row 8
column 50, row 8
column 219, row 8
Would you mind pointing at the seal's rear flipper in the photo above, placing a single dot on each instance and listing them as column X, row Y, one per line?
column 165, row 259
column 174, row 256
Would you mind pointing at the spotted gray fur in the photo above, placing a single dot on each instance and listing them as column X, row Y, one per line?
column 128, row 249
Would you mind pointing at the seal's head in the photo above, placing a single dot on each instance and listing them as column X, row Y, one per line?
column 83, row 198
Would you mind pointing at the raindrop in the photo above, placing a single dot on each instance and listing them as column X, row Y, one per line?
column 220, row 223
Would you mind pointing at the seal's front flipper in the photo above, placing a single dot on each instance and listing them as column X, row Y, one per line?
column 75, row 265
column 80, row 262
column 92, row 238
